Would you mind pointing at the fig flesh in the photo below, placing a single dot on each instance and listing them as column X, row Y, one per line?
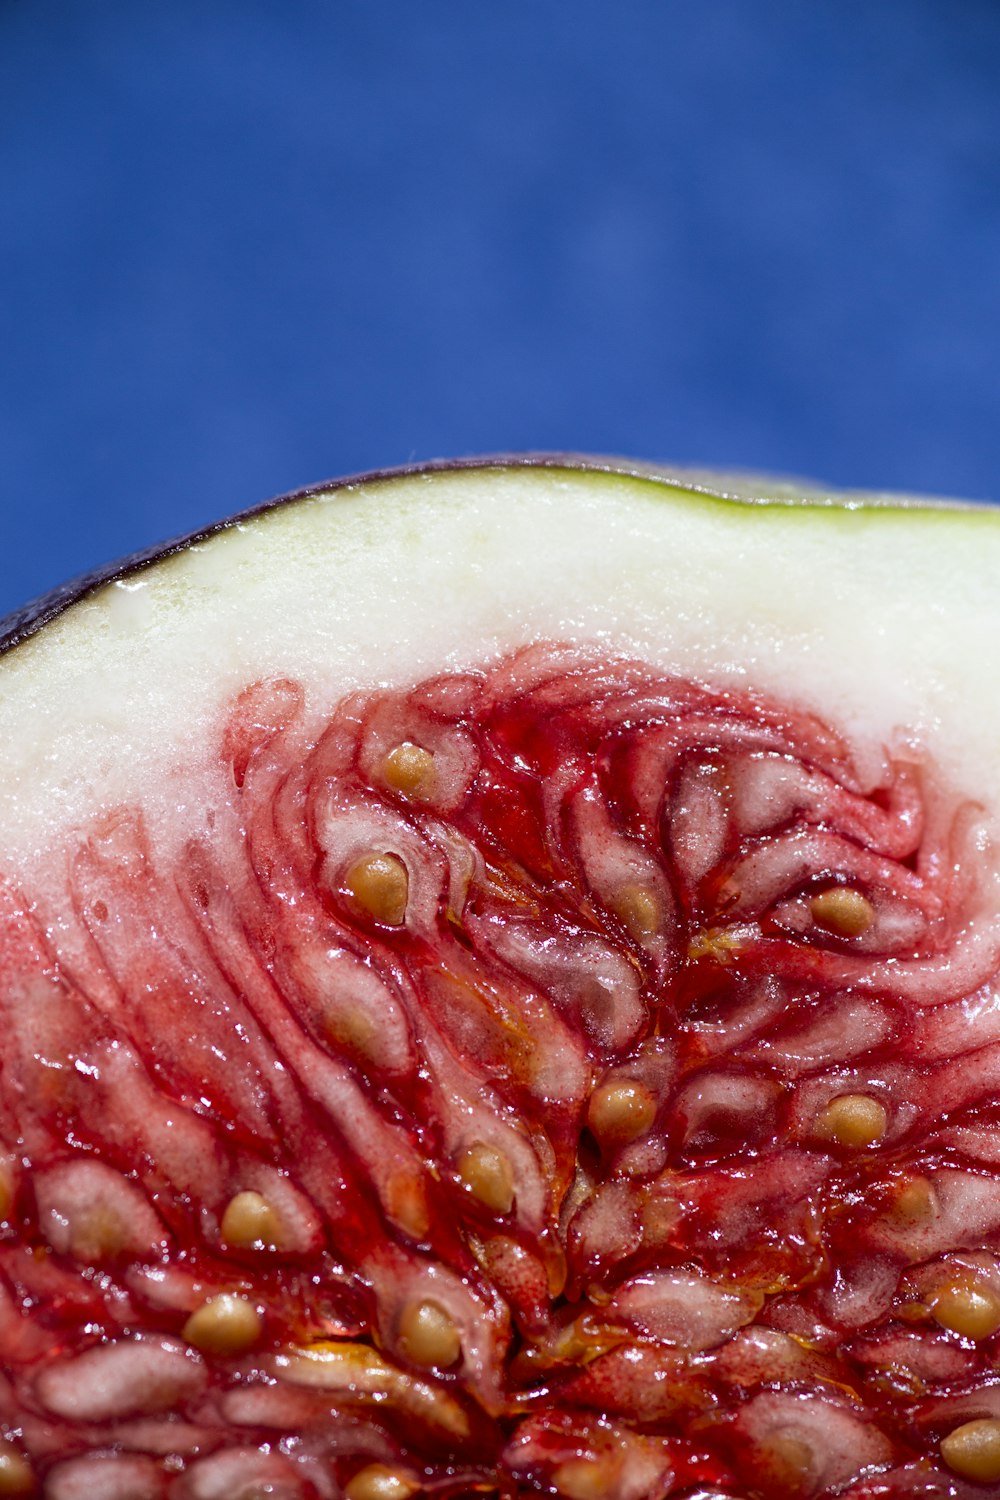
column 500, row 994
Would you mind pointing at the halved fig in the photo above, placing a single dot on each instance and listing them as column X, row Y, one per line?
column 499, row 983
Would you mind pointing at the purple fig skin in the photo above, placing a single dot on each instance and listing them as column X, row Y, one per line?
column 740, row 488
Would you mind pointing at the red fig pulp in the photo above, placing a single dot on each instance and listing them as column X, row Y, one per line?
column 548, row 1078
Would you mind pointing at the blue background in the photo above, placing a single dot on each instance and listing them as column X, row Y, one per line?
column 247, row 246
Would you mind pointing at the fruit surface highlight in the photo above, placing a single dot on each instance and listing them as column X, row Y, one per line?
column 499, row 983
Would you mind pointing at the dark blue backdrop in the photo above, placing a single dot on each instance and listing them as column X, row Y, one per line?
column 244, row 246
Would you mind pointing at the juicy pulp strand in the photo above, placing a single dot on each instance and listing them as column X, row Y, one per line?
column 124, row 1379
column 683, row 1307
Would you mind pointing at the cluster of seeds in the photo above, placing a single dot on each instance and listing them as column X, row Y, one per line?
column 539, row 1081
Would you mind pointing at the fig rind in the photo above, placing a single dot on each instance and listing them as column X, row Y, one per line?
column 875, row 614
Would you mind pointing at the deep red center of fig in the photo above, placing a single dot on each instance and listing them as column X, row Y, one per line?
column 542, row 1079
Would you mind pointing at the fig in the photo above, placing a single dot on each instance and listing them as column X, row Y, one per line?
column 500, row 994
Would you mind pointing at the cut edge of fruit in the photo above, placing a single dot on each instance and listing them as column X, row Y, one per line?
column 730, row 487
column 804, row 597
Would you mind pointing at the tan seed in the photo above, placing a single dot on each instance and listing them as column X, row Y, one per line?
column 380, row 885
column 968, row 1308
column 584, row 1478
column 790, row 1462
column 97, row 1233
column 6, row 1195
column 659, row 1218
column 428, row 1337
column 718, row 944
column 912, row 1202
column 487, row 1174
column 842, row 910
column 973, row 1450
column 16, row 1474
column 406, row 1204
column 409, row 770
column 224, row 1325
column 619, row 1112
column 382, row 1482
column 853, row 1120
column 556, row 1270
column 354, row 1030
column 250, row 1223
column 639, row 910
